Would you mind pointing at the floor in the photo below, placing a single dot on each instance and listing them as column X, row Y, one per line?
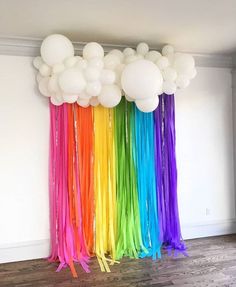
column 211, row 262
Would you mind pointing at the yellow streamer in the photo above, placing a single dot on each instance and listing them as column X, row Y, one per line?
column 104, row 186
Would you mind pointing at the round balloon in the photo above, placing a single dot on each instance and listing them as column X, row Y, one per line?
column 162, row 62
column 37, row 62
column 153, row 56
column 142, row 49
column 83, row 102
column 182, row 81
column 55, row 49
column 44, row 70
column 70, row 98
column 141, row 79
column 169, row 74
column 92, row 50
column 96, row 63
column 55, row 101
column 169, row 87
column 93, row 89
column 94, row 101
column 128, row 52
column 117, row 53
column 183, row 63
column 111, row 61
column 107, row 77
column 110, row 96
column 167, row 49
column 91, row 74
column 71, row 81
column 147, row 105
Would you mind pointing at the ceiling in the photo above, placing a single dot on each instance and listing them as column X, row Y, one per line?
column 197, row 26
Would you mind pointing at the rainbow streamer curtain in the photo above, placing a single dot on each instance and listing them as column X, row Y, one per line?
column 113, row 184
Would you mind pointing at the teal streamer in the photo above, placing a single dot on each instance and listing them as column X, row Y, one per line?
column 144, row 154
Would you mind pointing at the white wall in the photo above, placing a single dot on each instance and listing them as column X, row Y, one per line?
column 204, row 154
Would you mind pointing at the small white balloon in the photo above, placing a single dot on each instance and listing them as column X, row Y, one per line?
column 70, row 62
column 37, row 62
column 70, row 98
column 147, row 105
column 83, row 103
column 111, row 61
column 169, row 74
column 141, row 79
column 81, row 64
column 169, row 87
column 162, row 62
column 117, row 53
column 142, row 49
column 53, row 85
column 96, row 63
column 55, row 101
column 167, row 49
column 183, row 63
column 55, row 49
column 153, row 56
column 128, row 52
column 58, row 68
column 110, row 96
column 94, row 101
column 43, row 87
column 91, row 74
column 45, row 70
column 131, row 59
column 107, row 77
column 94, row 88
column 71, row 81
column 84, row 96
column 92, row 50
column 182, row 81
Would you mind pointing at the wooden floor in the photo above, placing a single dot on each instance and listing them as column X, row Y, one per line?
column 211, row 262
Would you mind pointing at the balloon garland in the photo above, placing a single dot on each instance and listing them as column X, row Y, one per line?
column 96, row 78
column 112, row 175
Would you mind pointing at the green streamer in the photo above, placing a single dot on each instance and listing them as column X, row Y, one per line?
column 129, row 240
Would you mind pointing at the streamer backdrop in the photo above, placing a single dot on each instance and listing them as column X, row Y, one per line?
column 113, row 184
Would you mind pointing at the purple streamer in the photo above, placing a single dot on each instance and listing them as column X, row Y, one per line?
column 166, row 174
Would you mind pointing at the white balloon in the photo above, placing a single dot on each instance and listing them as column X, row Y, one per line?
column 53, row 85
column 167, row 49
column 182, row 81
column 153, row 56
column 162, row 62
column 93, row 89
column 147, row 105
column 55, row 49
column 94, row 101
column 128, row 52
column 192, row 74
column 183, row 63
column 44, row 70
column 84, row 96
column 142, row 49
column 58, row 68
column 117, row 53
column 92, row 50
column 107, row 77
column 70, row 98
column 37, row 62
column 110, row 96
column 169, row 87
column 43, row 87
column 81, row 64
column 131, row 59
column 39, row 77
column 55, row 101
column 70, row 62
column 96, row 63
column 141, row 79
column 111, row 61
column 83, row 102
column 91, row 74
column 71, row 81
column 169, row 74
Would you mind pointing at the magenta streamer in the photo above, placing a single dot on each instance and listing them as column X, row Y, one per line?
column 166, row 175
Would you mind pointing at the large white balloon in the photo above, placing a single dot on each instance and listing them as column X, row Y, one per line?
column 183, row 63
column 162, row 62
column 71, row 81
column 110, row 96
column 141, row 79
column 107, row 77
column 169, row 87
column 147, row 105
column 92, row 50
column 55, row 49
column 142, row 49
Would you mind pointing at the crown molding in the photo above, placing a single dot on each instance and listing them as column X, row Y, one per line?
column 30, row 47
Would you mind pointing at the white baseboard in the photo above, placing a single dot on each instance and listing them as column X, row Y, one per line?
column 40, row 248
column 24, row 251
column 206, row 229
